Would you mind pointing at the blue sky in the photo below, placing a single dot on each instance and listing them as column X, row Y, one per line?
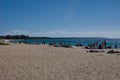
column 60, row 18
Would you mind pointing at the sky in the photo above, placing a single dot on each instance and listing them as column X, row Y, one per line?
column 60, row 18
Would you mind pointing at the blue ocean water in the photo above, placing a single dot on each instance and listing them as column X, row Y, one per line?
column 73, row 41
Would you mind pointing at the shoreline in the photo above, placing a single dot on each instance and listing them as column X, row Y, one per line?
column 94, row 44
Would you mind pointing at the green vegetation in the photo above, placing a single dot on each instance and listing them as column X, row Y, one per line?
column 3, row 43
column 21, row 37
column 14, row 37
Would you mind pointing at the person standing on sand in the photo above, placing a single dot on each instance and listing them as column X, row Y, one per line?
column 60, row 43
column 104, row 43
column 54, row 43
column 43, row 42
column 96, row 45
column 115, row 45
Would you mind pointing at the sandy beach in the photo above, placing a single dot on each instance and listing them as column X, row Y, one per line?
column 43, row 62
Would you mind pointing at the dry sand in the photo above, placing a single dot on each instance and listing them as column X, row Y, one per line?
column 42, row 62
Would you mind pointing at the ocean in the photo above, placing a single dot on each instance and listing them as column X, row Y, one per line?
column 73, row 41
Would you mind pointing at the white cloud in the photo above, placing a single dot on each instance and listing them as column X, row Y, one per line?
column 64, row 33
column 17, row 32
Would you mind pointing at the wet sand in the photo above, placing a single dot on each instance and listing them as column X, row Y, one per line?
column 43, row 62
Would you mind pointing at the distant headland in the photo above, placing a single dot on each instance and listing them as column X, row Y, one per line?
column 33, row 37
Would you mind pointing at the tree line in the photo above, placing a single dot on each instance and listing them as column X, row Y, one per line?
column 20, row 37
